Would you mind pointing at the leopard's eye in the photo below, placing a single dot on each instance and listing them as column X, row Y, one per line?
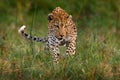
column 65, row 26
column 56, row 25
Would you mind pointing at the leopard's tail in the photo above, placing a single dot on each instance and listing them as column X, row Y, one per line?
column 29, row 37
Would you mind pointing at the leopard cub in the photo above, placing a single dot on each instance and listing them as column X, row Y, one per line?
column 61, row 31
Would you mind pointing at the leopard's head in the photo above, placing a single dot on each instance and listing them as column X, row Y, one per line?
column 58, row 20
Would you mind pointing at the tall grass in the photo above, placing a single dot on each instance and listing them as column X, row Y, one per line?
column 98, row 43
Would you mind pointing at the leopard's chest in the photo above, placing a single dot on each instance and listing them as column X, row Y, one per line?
column 52, row 40
column 62, row 42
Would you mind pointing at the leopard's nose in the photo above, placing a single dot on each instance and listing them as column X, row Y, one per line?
column 61, row 35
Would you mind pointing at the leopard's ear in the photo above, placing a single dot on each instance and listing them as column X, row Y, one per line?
column 69, row 16
column 50, row 16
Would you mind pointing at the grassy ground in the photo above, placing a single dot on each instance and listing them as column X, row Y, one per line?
column 97, row 56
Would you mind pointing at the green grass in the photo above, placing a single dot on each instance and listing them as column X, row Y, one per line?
column 97, row 55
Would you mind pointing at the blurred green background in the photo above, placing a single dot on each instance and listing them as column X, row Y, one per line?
column 98, row 42
column 18, row 11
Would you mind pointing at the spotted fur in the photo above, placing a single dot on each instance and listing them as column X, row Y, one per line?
column 61, row 31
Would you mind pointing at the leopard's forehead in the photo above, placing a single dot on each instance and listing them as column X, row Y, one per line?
column 59, row 12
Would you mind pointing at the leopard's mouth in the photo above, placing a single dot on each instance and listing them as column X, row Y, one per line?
column 60, row 38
